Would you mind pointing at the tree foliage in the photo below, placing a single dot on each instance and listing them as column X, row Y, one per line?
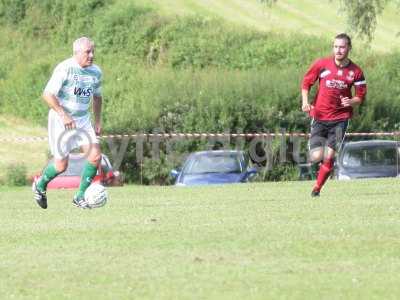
column 362, row 15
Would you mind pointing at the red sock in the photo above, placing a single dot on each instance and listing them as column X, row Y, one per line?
column 323, row 173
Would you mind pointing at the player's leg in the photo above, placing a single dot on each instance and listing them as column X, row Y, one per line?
column 89, row 171
column 316, row 146
column 336, row 135
column 89, row 145
column 51, row 171
column 325, row 170
column 60, row 153
column 316, row 156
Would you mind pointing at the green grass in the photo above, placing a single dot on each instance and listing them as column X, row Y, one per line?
column 322, row 18
column 254, row 241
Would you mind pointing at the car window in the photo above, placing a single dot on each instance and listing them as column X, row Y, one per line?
column 370, row 156
column 213, row 164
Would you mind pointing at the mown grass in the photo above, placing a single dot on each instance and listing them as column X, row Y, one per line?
column 320, row 18
column 254, row 241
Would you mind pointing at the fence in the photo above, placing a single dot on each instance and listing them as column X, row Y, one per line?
column 202, row 135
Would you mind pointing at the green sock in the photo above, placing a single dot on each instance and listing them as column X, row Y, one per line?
column 88, row 173
column 48, row 174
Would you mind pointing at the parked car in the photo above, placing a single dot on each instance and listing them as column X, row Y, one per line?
column 72, row 176
column 368, row 159
column 214, row 167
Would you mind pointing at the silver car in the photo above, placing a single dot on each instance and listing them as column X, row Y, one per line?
column 368, row 159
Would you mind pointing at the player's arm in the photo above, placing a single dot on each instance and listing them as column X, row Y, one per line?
column 309, row 79
column 52, row 88
column 305, row 106
column 97, row 106
column 360, row 87
column 53, row 103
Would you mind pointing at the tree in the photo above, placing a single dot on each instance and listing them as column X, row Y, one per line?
column 361, row 15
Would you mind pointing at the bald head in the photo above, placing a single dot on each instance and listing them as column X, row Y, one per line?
column 83, row 49
column 80, row 43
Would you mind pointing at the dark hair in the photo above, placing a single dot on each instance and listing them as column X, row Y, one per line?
column 344, row 36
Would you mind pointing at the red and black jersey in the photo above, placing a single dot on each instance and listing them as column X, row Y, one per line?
column 334, row 83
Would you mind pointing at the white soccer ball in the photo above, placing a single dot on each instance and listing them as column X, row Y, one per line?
column 96, row 195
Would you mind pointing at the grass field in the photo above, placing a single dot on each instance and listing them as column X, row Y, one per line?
column 322, row 18
column 254, row 241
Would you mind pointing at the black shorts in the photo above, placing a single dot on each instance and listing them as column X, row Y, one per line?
column 327, row 133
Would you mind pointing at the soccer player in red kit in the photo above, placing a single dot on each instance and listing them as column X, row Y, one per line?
column 333, row 104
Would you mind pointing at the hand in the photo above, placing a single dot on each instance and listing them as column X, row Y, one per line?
column 97, row 128
column 69, row 123
column 306, row 107
column 346, row 101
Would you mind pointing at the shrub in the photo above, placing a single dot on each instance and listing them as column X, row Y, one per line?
column 12, row 12
column 16, row 175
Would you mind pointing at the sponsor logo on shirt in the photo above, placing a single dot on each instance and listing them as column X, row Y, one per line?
column 86, row 92
column 336, row 84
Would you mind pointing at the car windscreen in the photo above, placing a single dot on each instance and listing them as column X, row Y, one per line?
column 370, row 157
column 224, row 163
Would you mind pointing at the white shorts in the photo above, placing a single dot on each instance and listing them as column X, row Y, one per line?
column 63, row 141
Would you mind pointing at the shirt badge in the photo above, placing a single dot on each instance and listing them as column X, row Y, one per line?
column 350, row 76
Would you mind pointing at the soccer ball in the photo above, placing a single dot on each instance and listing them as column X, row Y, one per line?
column 96, row 195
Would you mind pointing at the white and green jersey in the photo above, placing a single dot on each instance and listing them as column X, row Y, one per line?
column 74, row 87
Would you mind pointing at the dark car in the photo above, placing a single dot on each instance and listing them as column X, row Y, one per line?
column 368, row 159
column 214, row 167
column 72, row 176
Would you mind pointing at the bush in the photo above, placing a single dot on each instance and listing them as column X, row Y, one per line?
column 12, row 12
column 16, row 175
column 59, row 19
column 199, row 42
column 382, row 106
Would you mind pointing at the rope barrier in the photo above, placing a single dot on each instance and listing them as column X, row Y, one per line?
column 198, row 135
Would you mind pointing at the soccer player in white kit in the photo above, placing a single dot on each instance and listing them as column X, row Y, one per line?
column 74, row 84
